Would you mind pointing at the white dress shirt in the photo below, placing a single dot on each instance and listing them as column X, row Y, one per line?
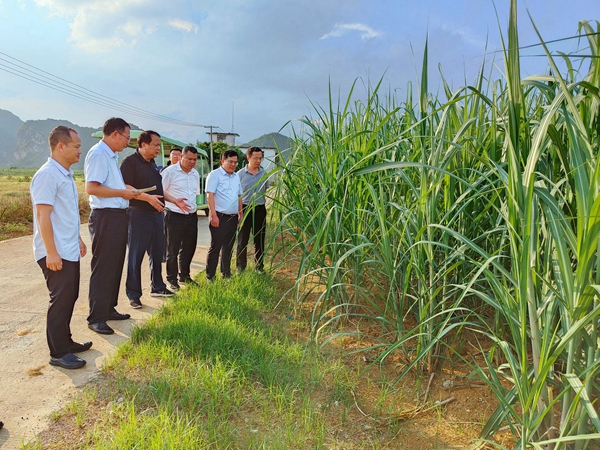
column 179, row 184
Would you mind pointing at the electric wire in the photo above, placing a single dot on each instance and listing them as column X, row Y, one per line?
column 59, row 84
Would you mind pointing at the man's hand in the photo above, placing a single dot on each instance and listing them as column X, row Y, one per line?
column 82, row 248
column 182, row 205
column 214, row 220
column 154, row 200
column 129, row 194
column 54, row 262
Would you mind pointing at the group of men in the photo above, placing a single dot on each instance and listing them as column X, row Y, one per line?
column 137, row 207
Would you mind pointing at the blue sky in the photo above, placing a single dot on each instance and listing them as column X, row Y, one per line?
column 268, row 59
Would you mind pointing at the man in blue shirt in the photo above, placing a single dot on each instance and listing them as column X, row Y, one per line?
column 57, row 244
column 224, row 193
column 109, row 200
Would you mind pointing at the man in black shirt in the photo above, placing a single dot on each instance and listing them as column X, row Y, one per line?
column 146, row 227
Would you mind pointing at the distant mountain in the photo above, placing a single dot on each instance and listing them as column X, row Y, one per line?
column 9, row 125
column 271, row 140
column 25, row 144
column 31, row 149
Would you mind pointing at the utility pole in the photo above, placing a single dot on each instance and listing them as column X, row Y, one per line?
column 210, row 145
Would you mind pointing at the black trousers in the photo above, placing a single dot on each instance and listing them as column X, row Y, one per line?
column 222, row 239
column 146, row 235
column 63, row 286
column 255, row 223
column 182, row 235
column 108, row 229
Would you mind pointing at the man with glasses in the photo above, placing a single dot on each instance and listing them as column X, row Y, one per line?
column 224, row 193
column 109, row 200
column 146, row 220
column 181, row 180
column 254, row 186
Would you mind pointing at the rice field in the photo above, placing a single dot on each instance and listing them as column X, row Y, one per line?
column 476, row 211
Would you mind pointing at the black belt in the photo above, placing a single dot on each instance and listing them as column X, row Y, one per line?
column 154, row 212
column 181, row 214
column 226, row 215
column 117, row 210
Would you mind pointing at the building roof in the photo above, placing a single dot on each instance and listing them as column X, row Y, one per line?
column 271, row 140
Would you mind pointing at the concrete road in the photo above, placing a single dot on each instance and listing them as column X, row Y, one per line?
column 30, row 388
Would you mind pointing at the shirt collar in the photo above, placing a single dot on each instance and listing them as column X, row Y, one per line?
column 62, row 170
column 108, row 150
column 224, row 172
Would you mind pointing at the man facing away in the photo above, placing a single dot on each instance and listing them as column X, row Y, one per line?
column 109, row 200
column 181, row 180
column 224, row 193
column 146, row 223
column 57, row 243
column 254, row 186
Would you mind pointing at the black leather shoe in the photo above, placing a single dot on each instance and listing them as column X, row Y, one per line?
column 76, row 347
column 101, row 327
column 69, row 361
column 118, row 316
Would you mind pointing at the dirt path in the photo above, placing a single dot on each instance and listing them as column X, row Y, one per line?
column 31, row 389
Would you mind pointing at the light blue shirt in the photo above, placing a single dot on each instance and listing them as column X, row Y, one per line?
column 102, row 166
column 227, row 189
column 54, row 185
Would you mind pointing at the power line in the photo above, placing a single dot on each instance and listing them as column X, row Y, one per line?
column 539, row 44
column 59, row 84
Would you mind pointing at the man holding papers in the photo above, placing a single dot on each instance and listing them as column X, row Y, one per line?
column 146, row 224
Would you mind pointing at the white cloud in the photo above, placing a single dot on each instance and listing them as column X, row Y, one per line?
column 339, row 30
column 184, row 25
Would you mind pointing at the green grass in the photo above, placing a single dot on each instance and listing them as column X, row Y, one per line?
column 216, row 368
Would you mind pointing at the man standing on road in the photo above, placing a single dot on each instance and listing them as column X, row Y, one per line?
column 181, row 180
column 57, row 244
column 224, row 193
column 254, row 186
column 109, row 200
column 146, row 220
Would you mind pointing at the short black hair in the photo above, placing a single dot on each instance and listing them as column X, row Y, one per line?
column 145, row 137
column 58, row 134
column 189, row 149
column 114, row 124
column 228, row 154
column 252, row 150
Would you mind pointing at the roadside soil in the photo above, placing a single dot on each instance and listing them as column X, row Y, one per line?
column 30, row 389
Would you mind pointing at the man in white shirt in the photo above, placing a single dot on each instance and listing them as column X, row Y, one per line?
column 57, row 244
column 224, row 193
column 181, row 180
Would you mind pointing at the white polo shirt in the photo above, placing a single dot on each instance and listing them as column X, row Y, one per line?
column 54, row 185
column 227, row 188
column 179, row 184
column 102, row 166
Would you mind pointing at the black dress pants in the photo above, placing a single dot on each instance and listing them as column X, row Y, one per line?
column 108, row 229
column 222, row 239
column 63, row 286
column 182, row 236
column 255, row 222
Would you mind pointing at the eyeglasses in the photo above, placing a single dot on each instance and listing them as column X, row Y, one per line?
column 126, row 137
